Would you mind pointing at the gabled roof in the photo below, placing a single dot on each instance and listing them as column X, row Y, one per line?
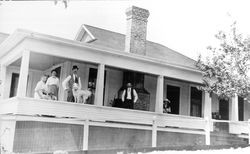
column 101, row 37
column 3, row 36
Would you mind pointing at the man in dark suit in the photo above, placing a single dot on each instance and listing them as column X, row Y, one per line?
column 129, row 96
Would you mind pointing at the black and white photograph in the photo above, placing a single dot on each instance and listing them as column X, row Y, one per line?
column 124, row 76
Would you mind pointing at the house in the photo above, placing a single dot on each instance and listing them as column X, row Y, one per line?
column 108, row 60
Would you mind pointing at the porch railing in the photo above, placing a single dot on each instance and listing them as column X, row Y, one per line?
column 29, row 109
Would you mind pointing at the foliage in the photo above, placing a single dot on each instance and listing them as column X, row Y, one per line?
column 65, row 2
column 226, row 71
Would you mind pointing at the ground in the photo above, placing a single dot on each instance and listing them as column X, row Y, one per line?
column 223, row 151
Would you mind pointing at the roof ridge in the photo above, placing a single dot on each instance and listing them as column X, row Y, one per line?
column 104, row 29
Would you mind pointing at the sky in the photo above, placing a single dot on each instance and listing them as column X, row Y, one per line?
column 186, row 26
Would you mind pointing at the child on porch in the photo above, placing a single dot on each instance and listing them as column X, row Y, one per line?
column 166, row 106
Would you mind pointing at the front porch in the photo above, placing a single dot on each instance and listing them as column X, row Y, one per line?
column 98, row 125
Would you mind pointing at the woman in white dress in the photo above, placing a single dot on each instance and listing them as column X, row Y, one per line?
column 41, row 90
column 53, row 84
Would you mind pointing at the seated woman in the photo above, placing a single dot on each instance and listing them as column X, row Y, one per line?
column 53, row 85
column 41, row 90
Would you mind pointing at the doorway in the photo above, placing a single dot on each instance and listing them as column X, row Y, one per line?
column 173, row 95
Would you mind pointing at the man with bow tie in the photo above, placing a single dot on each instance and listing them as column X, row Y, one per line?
column 69, row 81
column 129, row 96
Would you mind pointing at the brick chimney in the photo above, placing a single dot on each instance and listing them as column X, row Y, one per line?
column 136, row 30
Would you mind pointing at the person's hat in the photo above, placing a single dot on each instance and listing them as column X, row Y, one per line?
column 129, row 84
column 75, row 67
column 166, row 100
column 54, row 71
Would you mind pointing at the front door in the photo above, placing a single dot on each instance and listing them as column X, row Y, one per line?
column 173, row 95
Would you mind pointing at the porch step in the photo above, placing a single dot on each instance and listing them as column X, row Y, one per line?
column 222, row 138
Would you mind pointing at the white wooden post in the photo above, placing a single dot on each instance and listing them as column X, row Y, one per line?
column 208, row 106
column 66, row 69
column 99, row 85
column 23, row 77
column 86, row 135
column 207, row 131
column 159, row 94
column 154, row 134
column 2, row 80
column 235, row 109
column 248, row 131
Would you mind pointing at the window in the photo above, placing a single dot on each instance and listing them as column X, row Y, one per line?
column 196, row 102
column 241, row 108
column 224, row 109
column 14, row 84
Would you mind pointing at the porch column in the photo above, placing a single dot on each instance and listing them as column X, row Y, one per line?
column 23, row 77
column 208, row 106
column 159, row 94
column 235, row 109
column 2, row 80
column 99, row 85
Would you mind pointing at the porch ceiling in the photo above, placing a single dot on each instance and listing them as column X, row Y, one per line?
column 40, row 61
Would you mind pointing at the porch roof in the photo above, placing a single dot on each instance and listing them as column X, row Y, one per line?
column 3, row 36
column 157, row 66
column 21, row 34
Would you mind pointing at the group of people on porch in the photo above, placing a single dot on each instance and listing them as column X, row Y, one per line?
column 48, row 86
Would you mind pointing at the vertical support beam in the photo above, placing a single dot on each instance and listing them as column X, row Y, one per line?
column 208, row 106
column 154, row 134
column 207, row 131
column 235, row 109
column 86, row 135
column 159, row 94
column 2, row 80
column 23, row 77
column 248, row 131
column 99, row 85
column 7, row 132
column 65, row 72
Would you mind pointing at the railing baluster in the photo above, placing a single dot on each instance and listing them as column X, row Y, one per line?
column 154, row 134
